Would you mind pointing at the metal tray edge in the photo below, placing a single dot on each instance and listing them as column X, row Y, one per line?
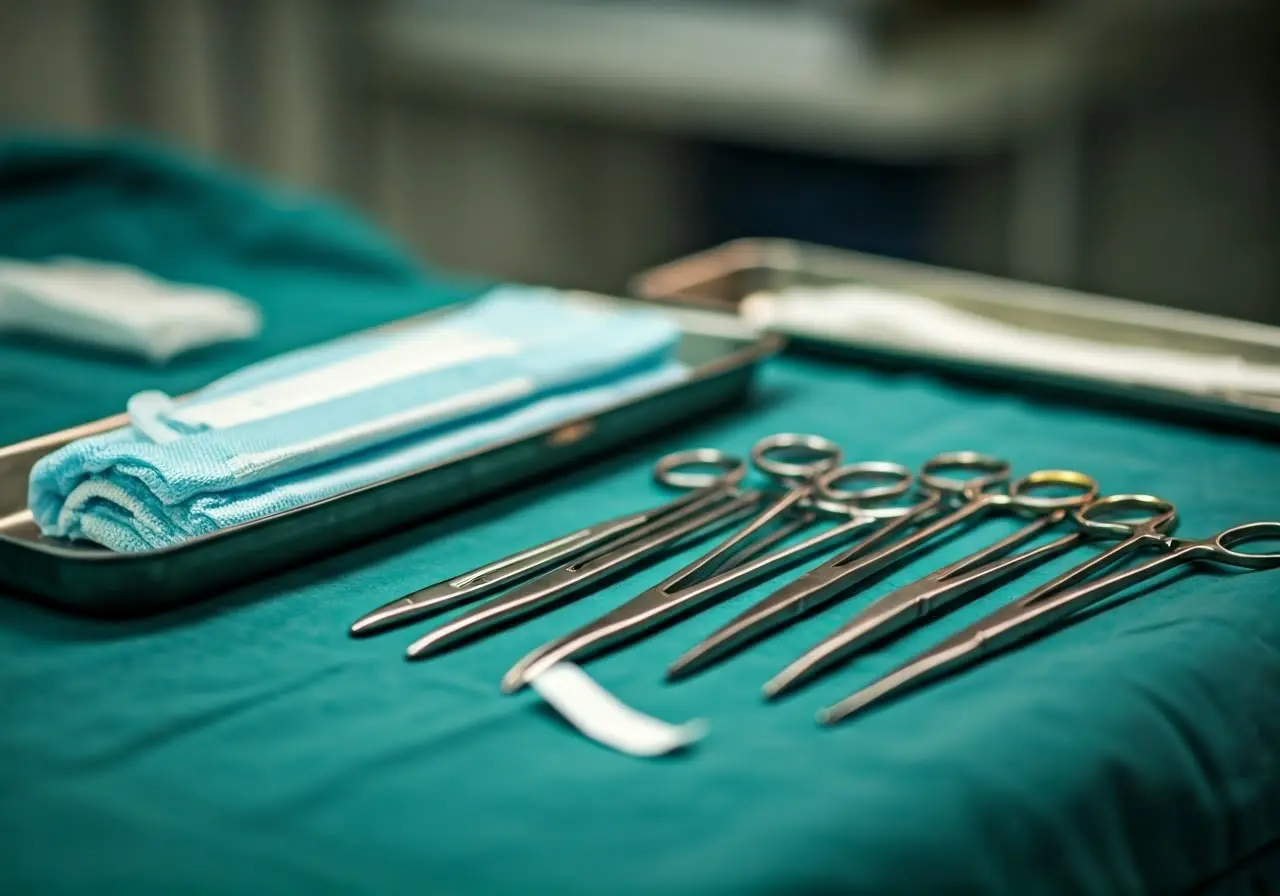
column 141, row 582
column 673, row 282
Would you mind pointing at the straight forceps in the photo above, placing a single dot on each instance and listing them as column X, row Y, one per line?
column 895, row 611
column 725, row 504
column 837, row 576
column 674, row 470
column 688, row 588
column 1064, row 596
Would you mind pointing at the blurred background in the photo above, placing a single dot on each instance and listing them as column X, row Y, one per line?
column 1128, row 147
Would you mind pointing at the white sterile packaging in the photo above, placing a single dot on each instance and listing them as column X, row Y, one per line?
column 865, row 313
column 119, row 308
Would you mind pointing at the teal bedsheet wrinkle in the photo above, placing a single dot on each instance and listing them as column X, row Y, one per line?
column 247, row 745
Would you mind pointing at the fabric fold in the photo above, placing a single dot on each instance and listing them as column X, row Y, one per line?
column 313, row 423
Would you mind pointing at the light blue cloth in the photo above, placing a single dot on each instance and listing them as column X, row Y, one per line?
column 518, row 359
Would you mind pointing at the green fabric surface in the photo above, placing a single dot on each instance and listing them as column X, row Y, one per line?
column 246, row 744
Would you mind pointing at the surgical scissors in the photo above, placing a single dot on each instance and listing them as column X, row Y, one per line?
column 895, row 611
column 671, row 470
column 729, row 505
column 1062, row 597
column 687, row 589
column 838, row 575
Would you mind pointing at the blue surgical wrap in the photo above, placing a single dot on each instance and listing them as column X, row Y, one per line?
column 316, row 422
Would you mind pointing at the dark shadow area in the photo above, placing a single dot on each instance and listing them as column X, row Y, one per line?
column 1257, row 873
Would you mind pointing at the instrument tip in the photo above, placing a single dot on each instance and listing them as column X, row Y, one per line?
column 787, row 679
column 534, row 663
column 686, row 665
column 849, row 706
column 371, row 623
column 773, row 687
column 513, row 681
column 385, row 617
column 428, row 644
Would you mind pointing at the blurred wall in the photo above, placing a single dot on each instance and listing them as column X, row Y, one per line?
column 1159, row 184
column 271, row 85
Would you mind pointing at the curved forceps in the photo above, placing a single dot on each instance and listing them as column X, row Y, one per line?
column 839, row 574
column 896, row 610
column 1064, row 596
column 704, row 489
column 686, row 589
column 723, row 503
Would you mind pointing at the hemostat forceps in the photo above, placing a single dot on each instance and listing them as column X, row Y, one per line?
column 722, row 507
column 837, row 576
column 896, row 610
column 1058, row 599
column 687, row 589
column 706, row 489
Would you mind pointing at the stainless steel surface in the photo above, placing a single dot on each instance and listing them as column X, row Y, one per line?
column 888, row 615
column 976, row 503
column 1050, row 604
column 575, row 578
column 718, row 503
column 699, row 582
column 721, row 278
column 520, row 566
column 722, row 356
column 837, row 576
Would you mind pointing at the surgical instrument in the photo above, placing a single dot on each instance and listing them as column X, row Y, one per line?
column 687, row 589
column 837, row 576
column 1061, row 598
column 895, row 611
column 670, row 471
column 729, row 505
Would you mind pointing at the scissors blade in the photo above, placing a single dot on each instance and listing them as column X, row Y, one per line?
column 812, row 589
column 678, row 594
column 895, row 611
column 574, row 578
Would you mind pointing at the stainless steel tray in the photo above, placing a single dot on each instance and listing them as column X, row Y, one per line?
column 723, row 356
column 720, row 278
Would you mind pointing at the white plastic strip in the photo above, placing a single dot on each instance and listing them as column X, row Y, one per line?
column 433, row 349
column 606, row 719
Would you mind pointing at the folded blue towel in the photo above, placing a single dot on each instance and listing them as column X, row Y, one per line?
column 313, row 423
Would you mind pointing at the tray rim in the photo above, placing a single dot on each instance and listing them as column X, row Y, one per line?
column 671, row 283
column 786, row 254
column 755, row 347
